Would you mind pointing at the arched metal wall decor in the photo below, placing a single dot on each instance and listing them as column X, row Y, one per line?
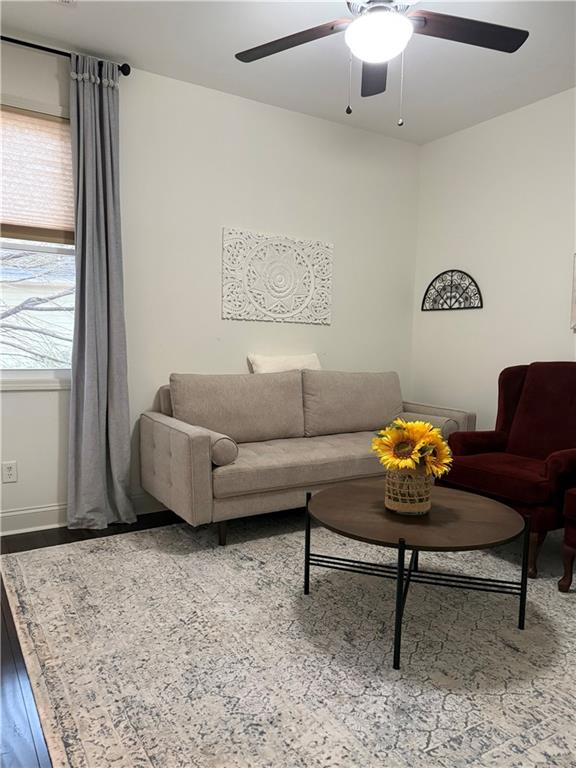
column 452, row 289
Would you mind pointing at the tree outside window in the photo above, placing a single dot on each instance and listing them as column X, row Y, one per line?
column 36, row 305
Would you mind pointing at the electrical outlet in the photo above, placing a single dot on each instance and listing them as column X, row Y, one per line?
column 9, row 471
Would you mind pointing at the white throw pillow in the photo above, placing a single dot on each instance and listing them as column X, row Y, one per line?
column 279, row 363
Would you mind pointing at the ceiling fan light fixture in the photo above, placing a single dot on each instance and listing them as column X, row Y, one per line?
column 378, row 36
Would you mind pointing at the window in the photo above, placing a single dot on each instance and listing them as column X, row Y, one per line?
column 37, row 305
column 37, row 243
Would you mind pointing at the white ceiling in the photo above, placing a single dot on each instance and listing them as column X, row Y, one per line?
column 448, row 86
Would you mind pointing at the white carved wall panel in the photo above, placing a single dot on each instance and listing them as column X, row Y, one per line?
column 275, row 278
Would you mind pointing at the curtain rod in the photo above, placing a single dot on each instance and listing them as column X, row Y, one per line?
column 123, row 68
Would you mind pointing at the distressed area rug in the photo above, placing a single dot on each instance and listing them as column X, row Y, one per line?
column 159, row 648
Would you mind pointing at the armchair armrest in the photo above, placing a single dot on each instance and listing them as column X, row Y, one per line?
column 562, row 464
column 467, row 443
column 176, row 465
column 465, row 420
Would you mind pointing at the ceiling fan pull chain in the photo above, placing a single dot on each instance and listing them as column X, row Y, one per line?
column 400, row 117
column 349, row 108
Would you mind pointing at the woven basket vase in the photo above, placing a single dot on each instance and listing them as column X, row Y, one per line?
column 408, row 491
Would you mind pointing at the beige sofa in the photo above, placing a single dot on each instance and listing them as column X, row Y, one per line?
column 227, row 446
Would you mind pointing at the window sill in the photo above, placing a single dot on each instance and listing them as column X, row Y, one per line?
column 34, row 381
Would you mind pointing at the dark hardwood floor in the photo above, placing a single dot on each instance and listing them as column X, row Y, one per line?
column 22, row 742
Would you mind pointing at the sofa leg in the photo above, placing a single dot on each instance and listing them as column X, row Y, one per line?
column 568, row 555
column 222, row 531
column 536, row 541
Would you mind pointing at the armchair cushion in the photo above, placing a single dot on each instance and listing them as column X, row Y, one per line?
column 515, row 478
column 545, row 417
column 562, row 465
column 466, row 443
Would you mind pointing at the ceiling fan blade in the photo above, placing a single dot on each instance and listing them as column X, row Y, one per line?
column 470, row 31
column 373, row 78
column 291, row 41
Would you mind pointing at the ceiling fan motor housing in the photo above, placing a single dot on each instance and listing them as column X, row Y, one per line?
column 362, row 6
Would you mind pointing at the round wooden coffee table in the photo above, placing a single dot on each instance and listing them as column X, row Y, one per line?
column 457, row 522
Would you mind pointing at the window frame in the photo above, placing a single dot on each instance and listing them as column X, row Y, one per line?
column 36, row 379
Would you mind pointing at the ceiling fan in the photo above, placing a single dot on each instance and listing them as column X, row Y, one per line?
column 381, row 29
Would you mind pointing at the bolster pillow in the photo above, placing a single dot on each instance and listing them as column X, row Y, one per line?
column 223, row 449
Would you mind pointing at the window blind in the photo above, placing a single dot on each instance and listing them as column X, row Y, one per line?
column 37, row 185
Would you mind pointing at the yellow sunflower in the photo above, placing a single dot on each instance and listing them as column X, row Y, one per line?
column 412, row 444
column 396, row 449
column 417, row 430
column 437, row 455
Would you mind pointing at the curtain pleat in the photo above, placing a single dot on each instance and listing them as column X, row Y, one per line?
column 99, row 447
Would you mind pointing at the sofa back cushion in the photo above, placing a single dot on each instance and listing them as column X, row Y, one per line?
column 336, row 401
column 545, row 418
column 248, row 408
column 165, row 400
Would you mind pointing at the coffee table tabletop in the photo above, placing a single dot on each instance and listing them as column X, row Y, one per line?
column 458, row 521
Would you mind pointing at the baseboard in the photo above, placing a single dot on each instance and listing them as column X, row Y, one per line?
column 27, row 519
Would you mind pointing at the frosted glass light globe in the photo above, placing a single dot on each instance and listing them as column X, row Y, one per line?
column 378, row 36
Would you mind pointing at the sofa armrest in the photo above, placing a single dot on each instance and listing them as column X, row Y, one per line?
column 465, row 419
column 467, row 443
column 445, row 425
column 562, row 464
column 176, row 466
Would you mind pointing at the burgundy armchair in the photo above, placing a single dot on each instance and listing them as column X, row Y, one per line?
column 529, row 460
column 569, row 540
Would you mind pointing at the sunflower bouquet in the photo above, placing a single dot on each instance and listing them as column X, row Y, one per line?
column 413, row 453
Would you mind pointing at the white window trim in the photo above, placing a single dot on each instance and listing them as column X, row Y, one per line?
column 24, row 245
column 40, row 380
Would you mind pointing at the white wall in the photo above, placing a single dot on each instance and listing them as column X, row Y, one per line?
column 497, row 200
column 35, row 434
column 34, row 422
column 193, row 161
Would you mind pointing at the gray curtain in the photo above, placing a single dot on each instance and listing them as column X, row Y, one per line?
column 99, row 450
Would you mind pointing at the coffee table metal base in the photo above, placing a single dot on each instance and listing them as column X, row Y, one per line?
column 405, row 574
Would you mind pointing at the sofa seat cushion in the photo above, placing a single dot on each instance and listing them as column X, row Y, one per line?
column 516, row 478
column 296, row 463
